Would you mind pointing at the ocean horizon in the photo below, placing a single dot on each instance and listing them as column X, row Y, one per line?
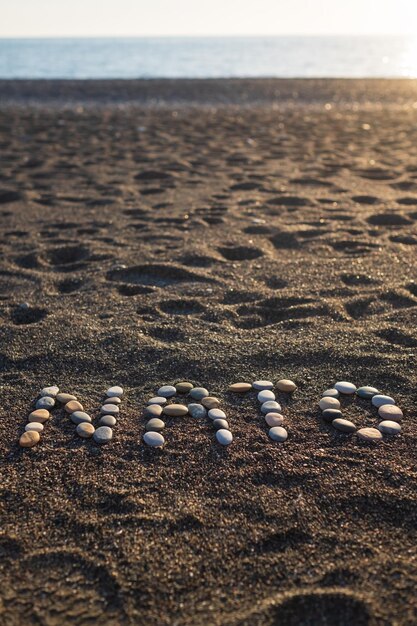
column 209, row 57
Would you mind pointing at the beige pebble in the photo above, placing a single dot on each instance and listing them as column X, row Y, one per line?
column 155, row 425
column 274, row 419
column 85, row 430
column 114, row 400
column 210, row 403
column 40, row 415
column 73, row 405
column 176, row 410
column 240, row 387
column 153, row 410
column 287, row 386
column 329, row 403
column 29, row 439
column 390, row 412
column 64, row 398
column 369, row 434
column 183, row 387
column 36, row 426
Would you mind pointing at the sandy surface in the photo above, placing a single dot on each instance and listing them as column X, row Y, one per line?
column 211, row 244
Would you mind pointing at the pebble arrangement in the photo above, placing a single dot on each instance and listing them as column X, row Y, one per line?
column 202, row 405
column 389, row 414
column 84, row 427
column 270, row 408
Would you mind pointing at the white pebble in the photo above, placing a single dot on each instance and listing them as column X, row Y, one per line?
column 345, row 388
column 259, row 385
column 114, row 391
column 103, row 434
column 270, row 406
column 153, row 439
column 277, row 433
column 224, row 437
column 215, row 414
column 380, row 400
column 265, row 395
column 109, row 409
column 36, row 426
column 49, row 391
column 157, row 400
column 389, row 428
column 167, row 391
column 329, row 403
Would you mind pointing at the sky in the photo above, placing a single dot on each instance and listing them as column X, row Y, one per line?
column 53, row 18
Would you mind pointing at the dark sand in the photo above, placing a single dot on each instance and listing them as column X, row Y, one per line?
column 134, row 233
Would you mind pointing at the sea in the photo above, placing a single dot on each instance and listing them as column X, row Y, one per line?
column 209, row 57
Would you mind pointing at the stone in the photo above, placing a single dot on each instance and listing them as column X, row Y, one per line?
column 155, row 425
column 175, row 410
column 79, row 416
column 224, row 437
column 388, row 427
column 240, row 387
column 329, row 403
column 29, row 439
column 259, row 385
column 369, row 434
column 85, row 430
column 51, row 392
column 36, row 426
column 40, row 415
column 64, row 398
column 390, row 412
column 198, row 393
column 112, row 400
column 73, row 405
column 265, row 396
column 109, row 409
column 274, row 419
column 346, row 388
column 103, row 434
column 270, row 406
column 379, row 400
column 331, row 414
column 286, row 386
column 197, row 410
column 114, row 391
column 215, row 414
column 330, row 393
column 220, row 423
column 277, row 433
column 167, row 391
column 154, row 410
column 157, row 400
column 343, row 425
column 107, row 420
column 367, row 392
column 153, row 439
column 45, row 403
column 210, row 403
column 183, row 387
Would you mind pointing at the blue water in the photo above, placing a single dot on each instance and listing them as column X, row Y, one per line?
column 209, row 57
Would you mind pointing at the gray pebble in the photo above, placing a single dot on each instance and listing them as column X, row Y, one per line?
column 220, row 423
column 271, row 407
column 215, row 414
column 331, row 414
column 45, row 403
column 197, row 410
column 49, row 391
column 167, row 391
column 153, row 439
column 265, row 395
column 380, row 400
column 367, row 392
column 103, row 434
column 114, row 391
column 330, row 393
column 224, row 437
column 259, row 385
column 108, row 420
column 198, row 393
column 345, row 426
column 157, row 400
column 278, row 433
column 389, row 428
column 155, row 425
column 109, row 409
column 79, row 416
column 345, row 388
